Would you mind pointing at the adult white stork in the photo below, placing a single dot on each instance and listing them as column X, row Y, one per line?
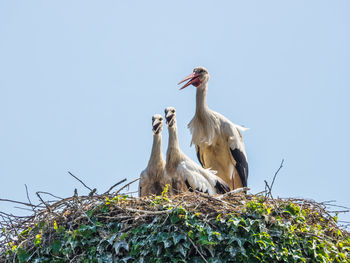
column 219, row 142
column 152, row 178
column 181, row 172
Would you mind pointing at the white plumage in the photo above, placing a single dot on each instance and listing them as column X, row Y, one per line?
column 181, row 172
column 201, row 179
column 219, row 142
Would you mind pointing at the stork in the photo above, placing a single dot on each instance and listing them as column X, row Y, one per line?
column 219, row 142
column 152, row 178
column 181, row 172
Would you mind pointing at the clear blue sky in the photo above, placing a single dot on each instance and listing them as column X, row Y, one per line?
column 80, row 81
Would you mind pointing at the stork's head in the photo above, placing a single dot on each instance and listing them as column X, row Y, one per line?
column 170, row 116
column 157, row 123
column 199, row 77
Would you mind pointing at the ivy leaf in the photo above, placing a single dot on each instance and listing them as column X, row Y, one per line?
column 126, row 259
column 181, row 250
column 121, row 244
column 232, row 250
column 106, row 258
column 111, row 239
column 178, row 237
column 56, row 246
column 159, row 251
column 89, row 213
column 167, row 243
column 217, row 260
column 101, row 247
column 73, row 243
column 174, row 218
column 41, row 260
column 22, row 255
column 197, row 259
column 236, row 240
column 93, row 250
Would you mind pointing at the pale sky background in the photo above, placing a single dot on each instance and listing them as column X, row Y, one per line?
column 80, row 81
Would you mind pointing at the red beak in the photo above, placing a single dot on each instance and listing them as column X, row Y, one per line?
column 193, row 79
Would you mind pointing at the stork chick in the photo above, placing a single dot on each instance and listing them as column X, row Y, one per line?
column 181, row 172
column 152, row 178
column 219, row 143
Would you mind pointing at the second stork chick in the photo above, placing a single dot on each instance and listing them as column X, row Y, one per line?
column 152, row 178
column 181, row 172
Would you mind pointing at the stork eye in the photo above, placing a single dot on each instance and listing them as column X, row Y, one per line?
column 200, row 71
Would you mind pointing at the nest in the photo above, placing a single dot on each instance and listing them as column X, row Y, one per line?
column 74, row 211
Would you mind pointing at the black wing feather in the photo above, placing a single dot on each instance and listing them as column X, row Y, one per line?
column 189, row 187
column 222, row 187
column 199, row 156
column 241, row 165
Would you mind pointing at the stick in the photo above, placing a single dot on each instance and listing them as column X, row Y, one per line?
column 22, row 208
column 47, row 206
column 17, row 202
column 274, row 177
column 128, row 185
column 198, row 250
column 236, row 191
column 340, row 206
column 10, row 215
column 213, row 198
column 330, row 201
column 340, row 211
column 146, row 211
column 268, row 189
column 122, row 181
column 130, row 193
column 92, row 192
column 261, row 192
column 41, row 192
column 80, row 181
column 30, row 202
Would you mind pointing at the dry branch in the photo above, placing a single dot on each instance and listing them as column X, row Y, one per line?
column 80, row 181
column 194, row 245
column 234, row 192
column 110, row 189
column 127, row 185
column 268, row 188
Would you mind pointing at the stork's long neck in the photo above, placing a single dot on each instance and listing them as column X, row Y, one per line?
column 204, row 126
column 173, row 140
column 156, row 153
column 201, row 100
column 173, row 154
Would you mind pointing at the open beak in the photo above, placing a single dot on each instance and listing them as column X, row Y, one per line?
column 193, row 79
column 156, row 125
column 169, row 118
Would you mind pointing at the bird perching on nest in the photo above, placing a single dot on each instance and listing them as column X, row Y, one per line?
column 219, row 142
column 152, row 178
column 181, row 172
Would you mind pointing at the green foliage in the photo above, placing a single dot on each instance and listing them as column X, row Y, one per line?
column 261, row 232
